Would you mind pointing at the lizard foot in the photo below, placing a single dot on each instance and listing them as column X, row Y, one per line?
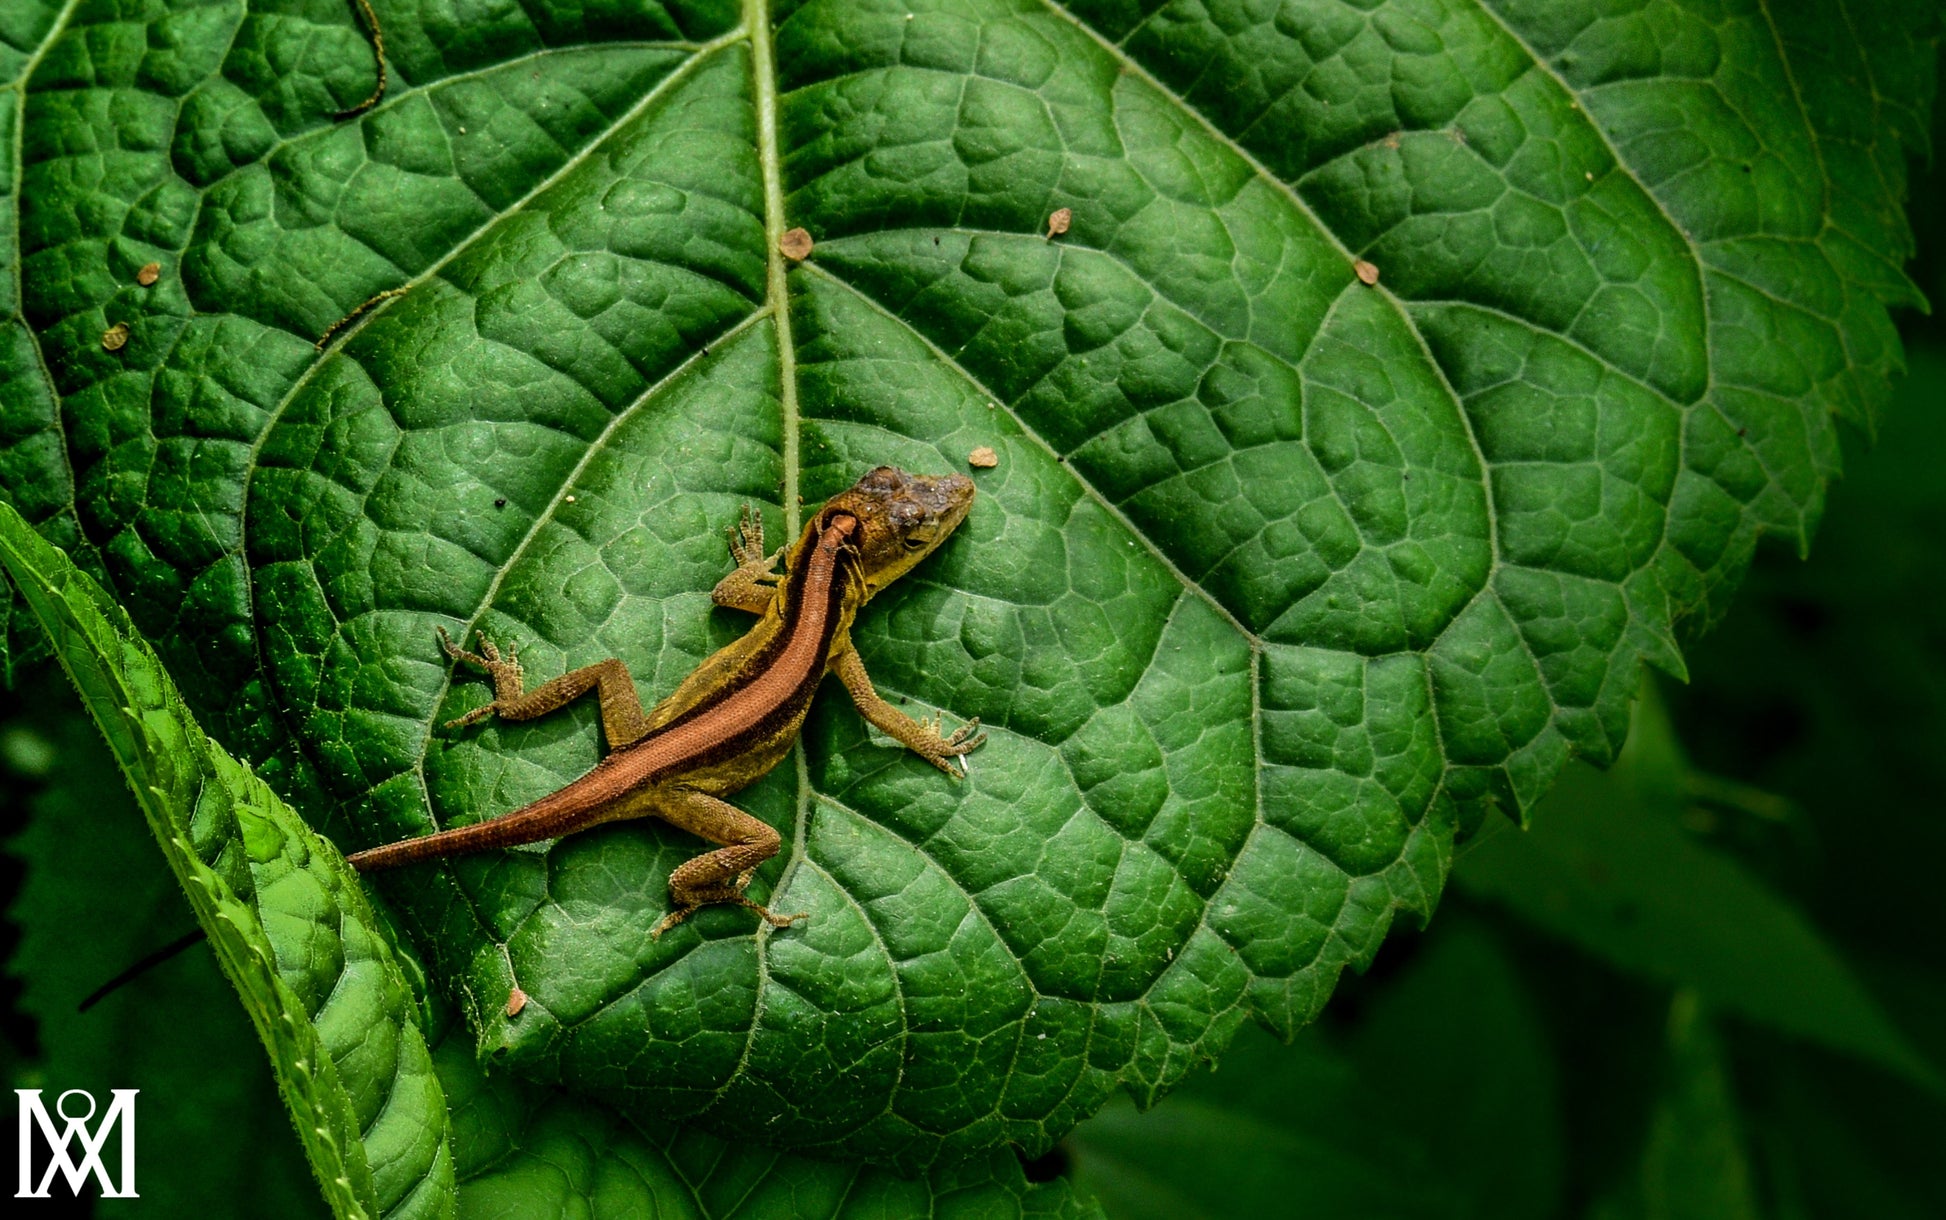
column 939, row 749
column 772, row 918
column 669, row 921
column 504, row 670
column 683, row 912
column 747, row 545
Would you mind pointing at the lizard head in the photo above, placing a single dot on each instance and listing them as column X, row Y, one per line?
column 901, row 518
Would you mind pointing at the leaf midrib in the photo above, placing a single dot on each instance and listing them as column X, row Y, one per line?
column 770, row 161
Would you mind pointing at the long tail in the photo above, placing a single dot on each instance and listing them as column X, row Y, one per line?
column 543, row 819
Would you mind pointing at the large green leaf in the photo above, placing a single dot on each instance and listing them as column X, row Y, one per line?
column 1282, row 578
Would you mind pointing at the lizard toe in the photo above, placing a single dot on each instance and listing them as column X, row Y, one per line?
column 475, row 716
column 669, row 921
column 772, row 918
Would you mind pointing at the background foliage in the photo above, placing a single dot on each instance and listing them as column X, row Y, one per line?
column 1667, row 1041
column 1486, row 279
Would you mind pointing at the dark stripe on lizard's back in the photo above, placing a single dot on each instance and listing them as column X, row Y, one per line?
column 764, row 659
column 823, row 617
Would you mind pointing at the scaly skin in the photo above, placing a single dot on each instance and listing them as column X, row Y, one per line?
column 736, row 716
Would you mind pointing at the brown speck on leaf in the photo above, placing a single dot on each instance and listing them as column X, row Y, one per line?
column 795, row 245
column 149, row 274
column 516, row 1000
column 1392, row 141
column 115, row 338
column 1058, row 222
column 984, row 457
column 1367, row 273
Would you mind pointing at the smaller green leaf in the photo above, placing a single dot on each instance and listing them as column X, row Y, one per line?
column 96, row 897
column 291, row 928
column 1440, row 1103
column 1694, row 1163
column 1609, row 867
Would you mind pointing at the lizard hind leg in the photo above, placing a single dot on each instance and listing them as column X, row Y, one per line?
column 720, row 875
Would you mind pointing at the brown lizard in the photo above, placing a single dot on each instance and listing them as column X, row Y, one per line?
column 736, row 716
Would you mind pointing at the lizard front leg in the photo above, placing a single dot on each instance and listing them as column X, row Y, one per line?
column 922, row 737
column 622, row 717
column 753, row 586
column 720, row 875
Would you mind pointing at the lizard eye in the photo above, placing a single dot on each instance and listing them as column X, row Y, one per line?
column 913, row 544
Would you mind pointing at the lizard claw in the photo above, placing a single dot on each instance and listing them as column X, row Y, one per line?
column 941, row 749
column 967, row 737
column 747, row 537
column 773, row 919
column 669, row 921
column 747, row 545
column 488, row 656
column 473, row 717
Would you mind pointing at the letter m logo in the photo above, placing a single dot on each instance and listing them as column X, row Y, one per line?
column 75, row 1135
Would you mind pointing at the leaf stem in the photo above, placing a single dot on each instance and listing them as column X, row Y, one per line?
column 141, row 966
